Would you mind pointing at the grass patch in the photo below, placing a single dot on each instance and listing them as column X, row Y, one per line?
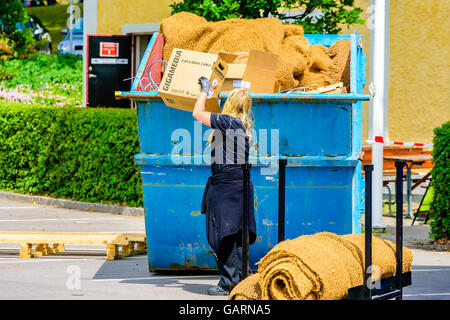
column 54, row 18
column 42, row 79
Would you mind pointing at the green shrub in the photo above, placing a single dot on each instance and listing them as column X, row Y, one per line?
column 440, row 207
column 74, row 153
column 42, row 69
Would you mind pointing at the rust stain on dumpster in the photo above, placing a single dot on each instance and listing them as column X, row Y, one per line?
column 176, row 266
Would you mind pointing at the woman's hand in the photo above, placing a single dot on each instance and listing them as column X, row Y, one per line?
column 199, row 111
column 205, row 84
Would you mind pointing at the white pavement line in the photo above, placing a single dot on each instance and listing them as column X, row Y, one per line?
column 60, row 219
column 426, row 294
column 431, row 270
column 9, row 208
column 156, row 278
column 44, row 260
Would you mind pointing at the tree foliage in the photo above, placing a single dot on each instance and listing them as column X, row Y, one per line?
column 316, row 16
column 16, row 41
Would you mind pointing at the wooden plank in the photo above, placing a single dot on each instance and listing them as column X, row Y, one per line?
column 59, row 247
column 42, row 249
column 141, row 248
column 411, row 158
column 132, row 248
column 338, row 90
column 65, row 241
column 76, row 238
column 327, row 89
column 126, row 251
column 420, row 181
column 387, row 174
column 111, row 252
column 120, row 234
column 398, row 151
column 25, row 250
column 42, row 241
column 68, row 239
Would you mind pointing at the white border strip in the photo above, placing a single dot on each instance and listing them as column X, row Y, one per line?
column 60, row 219
column 427, row 294
column 158, row 278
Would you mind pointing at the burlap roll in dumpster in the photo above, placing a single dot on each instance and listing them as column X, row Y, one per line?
column 301, row 64
column 322, row 266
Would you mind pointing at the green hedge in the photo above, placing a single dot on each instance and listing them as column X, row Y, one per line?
column 73, row 153
column 440, row 207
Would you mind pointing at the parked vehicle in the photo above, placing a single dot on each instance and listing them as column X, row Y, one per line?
column 37, row 3
column 77, row 39
column 41, row 34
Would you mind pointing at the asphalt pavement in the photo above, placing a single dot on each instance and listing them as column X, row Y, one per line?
column 82, row 272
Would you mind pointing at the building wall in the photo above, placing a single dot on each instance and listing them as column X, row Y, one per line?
column 419, row 80
column 418, row 70
column 112, row 14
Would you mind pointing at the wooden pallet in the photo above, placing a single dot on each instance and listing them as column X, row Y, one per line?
column 37, row 244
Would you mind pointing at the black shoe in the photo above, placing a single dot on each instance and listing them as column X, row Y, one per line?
column 218, row 291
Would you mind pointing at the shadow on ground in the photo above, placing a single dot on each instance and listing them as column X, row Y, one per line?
column 135, row 270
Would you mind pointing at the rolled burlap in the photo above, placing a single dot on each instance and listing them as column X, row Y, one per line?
column 247, row 289
column 383, row 255
column 322, row 266
column 300, row 63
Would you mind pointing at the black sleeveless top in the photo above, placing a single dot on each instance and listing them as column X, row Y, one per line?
column 230, row 145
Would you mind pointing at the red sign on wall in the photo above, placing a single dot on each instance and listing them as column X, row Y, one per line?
column 109, row 49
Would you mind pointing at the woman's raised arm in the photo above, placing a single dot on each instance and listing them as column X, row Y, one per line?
column 199, row 111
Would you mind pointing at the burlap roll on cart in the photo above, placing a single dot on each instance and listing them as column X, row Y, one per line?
column 248, row 289
column 322, row 266
column 383, row 255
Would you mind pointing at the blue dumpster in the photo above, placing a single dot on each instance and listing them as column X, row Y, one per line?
column 320, row 135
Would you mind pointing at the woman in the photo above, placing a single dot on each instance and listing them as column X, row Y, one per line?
column 222, row 198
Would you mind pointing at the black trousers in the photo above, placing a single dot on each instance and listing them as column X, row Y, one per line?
column 229, row 261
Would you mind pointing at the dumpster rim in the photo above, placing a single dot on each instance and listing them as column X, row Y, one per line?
column 144, row 159
column 265, row 97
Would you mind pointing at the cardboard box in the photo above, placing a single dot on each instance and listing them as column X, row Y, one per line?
column 179, row 86
column 256, row 75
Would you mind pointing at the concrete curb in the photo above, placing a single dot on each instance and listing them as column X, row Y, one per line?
column 72, row 204
column 431, row 247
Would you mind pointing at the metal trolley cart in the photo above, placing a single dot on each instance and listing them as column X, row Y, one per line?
column 388, row 288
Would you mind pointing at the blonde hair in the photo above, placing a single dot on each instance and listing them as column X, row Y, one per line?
column 238, row 105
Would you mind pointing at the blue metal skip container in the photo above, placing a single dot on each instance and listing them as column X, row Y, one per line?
column 320, row 135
